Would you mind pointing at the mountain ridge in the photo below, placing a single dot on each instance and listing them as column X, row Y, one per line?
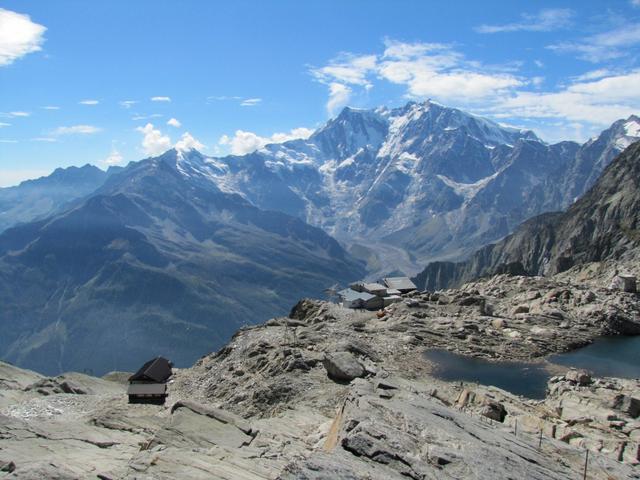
column 154, row 263
column 601, row 225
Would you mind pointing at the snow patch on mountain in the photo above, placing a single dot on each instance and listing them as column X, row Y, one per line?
column 467, row 190
column 631, row 135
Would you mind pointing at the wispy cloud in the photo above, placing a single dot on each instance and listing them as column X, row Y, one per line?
column 19, row 36
column 250, row 102
column 594, row 74
column 89, row 102
column 147, row 117
column 348, row 68
column 76, row 130
column 4, row 124
column 543, row 21
column 221, row 98
column 44, row 139
column 6, row 140
column 576, row 106
column 15, row 114
column 174, row 122
column 426, row 69
column 594, row 102
column 242, row 101
column 603, row 46
column 339, row 96
column 243, row 142
column 160, row 99
column 127, row 103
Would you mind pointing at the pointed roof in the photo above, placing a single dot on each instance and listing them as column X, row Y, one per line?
column 156, row 370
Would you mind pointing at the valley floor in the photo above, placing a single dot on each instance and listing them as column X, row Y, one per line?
column 332, row 393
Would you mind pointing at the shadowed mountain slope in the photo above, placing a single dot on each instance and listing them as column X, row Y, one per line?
column 603, row 224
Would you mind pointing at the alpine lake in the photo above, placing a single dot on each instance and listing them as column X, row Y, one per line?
column 616, row 356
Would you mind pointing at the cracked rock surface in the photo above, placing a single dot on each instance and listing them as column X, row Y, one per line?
column 332, row 393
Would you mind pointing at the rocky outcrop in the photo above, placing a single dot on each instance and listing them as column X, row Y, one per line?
column 343, row 366
column 336, row 393
column 603, row 224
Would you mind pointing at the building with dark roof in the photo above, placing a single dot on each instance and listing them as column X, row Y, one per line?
column 148, row 384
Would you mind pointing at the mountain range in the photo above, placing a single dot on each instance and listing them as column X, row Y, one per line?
column 172, row 254
column 156, row 261
column 34, row 199
column 604, row 224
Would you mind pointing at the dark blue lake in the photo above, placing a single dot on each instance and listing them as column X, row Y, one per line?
column 607, row 356
column 520, row 378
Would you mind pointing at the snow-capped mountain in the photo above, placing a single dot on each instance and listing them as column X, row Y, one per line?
column 404, row 186
column 158, row 260
column 415, row 183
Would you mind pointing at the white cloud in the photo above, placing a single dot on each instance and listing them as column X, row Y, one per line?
column 76, row 130
column 594, row 74
column 577, row 107
column 339, row 96
column 223, row 98
column 44, row 139
column 18, row 36
column 127, row 103
column 147, row 117
column 583, row 105
column 242, row 101
column 7, row 140
column 543, row 21
column 160, row 99
column 187, row 142
column 603, row 46
column 4, row 124
column 246, row 142
column 114, row 158
column 154, row 142
column 89, row 102
column 15, row 114
column 427, row 70
column 435, row 70
column 537, row 81
column 250, row 102
column 347, row 68
column 173, row 122
column 51, row 107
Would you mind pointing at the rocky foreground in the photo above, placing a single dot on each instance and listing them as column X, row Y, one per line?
column 332, row 393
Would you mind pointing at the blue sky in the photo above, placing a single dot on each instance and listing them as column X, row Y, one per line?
column 110, row 82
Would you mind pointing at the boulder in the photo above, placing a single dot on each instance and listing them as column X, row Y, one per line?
column 624, row 283
column 627, row 404
column 498, row 323
column 7, row 466
column 343, row 366
column 493, row 410
column 580, row 377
